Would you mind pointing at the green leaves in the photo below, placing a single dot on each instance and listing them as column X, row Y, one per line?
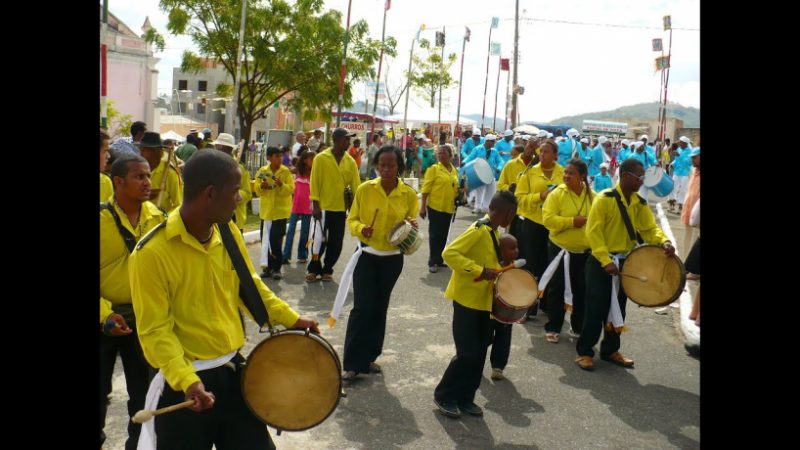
column 151, row 36
column 430, row 74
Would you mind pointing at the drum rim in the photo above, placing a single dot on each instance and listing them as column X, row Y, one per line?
column 677, row 292
column 320, row 340
column 480, row 162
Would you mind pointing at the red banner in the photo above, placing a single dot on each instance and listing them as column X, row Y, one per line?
column 505, row 63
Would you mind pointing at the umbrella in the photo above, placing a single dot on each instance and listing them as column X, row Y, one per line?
column 526, row 129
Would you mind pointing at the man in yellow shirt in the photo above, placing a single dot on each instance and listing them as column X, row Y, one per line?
column 334, row 176
column 106, row 186
column 186, row 298
column 274, row 187
column 153, row 151
column 610, row 241
column 125, row 217
column 476, row 253
column 226, row 143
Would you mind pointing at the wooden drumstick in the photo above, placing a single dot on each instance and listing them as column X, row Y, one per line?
column 147, row 414
column 374, row 217
column 519, row 263
column 641, row 278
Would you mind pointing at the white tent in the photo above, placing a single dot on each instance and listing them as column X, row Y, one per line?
column 431, row 115
column 172, row 135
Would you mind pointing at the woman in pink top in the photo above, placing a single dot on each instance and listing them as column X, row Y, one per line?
column 301, row 209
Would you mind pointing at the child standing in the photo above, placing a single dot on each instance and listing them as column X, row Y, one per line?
column 301, row 209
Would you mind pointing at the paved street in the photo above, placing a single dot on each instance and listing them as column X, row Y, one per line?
column 547, row 402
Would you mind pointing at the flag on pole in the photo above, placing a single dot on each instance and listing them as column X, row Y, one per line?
column 466, row 35
column 667, row 23
column 505, row 63
column 495, row 22
column 657, row 46
column 495, row 49
column 662, row 62
column 388, row 4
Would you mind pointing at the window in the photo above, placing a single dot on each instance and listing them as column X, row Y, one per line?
column 183, row 85
column 202, row 86
column 201, row 108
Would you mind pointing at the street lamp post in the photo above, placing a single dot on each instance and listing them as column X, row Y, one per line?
column 178, row 93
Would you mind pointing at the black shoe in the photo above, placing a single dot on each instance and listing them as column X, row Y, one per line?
column 692, row 350
column 276, row 275
column 265, row 273
column 470, row 408
column 449, row 409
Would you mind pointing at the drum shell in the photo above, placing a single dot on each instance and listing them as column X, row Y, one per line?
column 287, row 372
column 650, row 261
column 657, row 180
column 505, row 312
column 478, row 173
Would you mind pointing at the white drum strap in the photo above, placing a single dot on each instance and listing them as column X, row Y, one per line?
column 147, row 438
column 317, row 237
column 615, row 313
column 551, row 270
column 265, row 243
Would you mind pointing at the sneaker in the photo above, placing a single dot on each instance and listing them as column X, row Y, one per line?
column 497, row 374
column 349, row 375
column 433, row 269
column 470, row 408
column 449, row 409
column 302, row 261
column 661, row 311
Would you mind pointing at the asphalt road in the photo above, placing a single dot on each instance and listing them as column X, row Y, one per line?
column 546, row 402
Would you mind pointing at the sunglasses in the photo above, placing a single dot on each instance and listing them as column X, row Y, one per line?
column 639, row 179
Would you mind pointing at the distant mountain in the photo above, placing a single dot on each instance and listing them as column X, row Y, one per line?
column 689, row 115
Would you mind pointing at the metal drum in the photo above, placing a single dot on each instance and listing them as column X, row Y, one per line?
column 478, row 173
column 657, row 180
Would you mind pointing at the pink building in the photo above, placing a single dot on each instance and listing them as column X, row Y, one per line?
column 132, row 75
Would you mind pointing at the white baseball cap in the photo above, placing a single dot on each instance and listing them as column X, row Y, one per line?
column 685, row 139
column 490, row 137
column 572, row 132
column 644, row 136
column 542, row 133
column 508, row 133
column 585, row 140
column 602, row 140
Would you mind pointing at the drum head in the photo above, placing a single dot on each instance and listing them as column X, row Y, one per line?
column 484, row 171
column 666, row 276
column 652, row 176
column 292, row 381
column 399, row 233
column 517, row 287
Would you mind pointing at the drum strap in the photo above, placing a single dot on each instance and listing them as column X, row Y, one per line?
column 248, row 291
column 127, row 236
column 625, row 218
column 494, row 238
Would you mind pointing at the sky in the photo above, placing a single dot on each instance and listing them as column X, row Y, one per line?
column 575, row 56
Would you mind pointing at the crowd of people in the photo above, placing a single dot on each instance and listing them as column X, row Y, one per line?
column 172, row 223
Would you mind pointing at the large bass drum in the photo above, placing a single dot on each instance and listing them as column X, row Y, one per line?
column 651, row 278
column 292, row 380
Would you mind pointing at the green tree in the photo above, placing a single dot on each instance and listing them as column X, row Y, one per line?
column 118, row 124
column 430, row 74
column 288, row 49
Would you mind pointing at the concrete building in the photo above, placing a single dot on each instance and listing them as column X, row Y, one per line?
column 132, row 75
column 640, row 126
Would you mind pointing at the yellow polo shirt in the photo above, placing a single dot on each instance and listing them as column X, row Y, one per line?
column 441, row 185
column 328, row 180
column 558, row 212
column 115, row 286
column 186, row 299
column 400, row 204
column 530, row 184
column 106, row 187
column 605, row 229
column 510, row 173
column 467, row 256
column 173, row 191
column 276, row 201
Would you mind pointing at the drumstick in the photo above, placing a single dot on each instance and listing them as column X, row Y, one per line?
column 147, row 414
column 519, row 263
column 641, row 278
column 374, row 217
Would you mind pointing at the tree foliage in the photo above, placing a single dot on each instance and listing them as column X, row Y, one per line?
column 118, row 124
column 429, row 74
column 291, row 51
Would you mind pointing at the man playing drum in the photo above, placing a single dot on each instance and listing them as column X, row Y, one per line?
column 611, row 240
column 476, row 253
column 185, row 296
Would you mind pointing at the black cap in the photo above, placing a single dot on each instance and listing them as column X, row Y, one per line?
column 341, row 132
column 151, row 139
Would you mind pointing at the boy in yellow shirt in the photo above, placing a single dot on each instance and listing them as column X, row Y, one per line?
column 275, row 186
column 476, row 253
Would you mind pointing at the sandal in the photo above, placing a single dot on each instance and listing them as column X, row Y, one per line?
column 327, row 277
column 311, row 277
column 552, row 337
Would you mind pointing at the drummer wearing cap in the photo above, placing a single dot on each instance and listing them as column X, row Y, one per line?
column 185, row 290
column 167, row 193
column 379, row 206
column 333, row 174
column 504, row 146
column 483, row 194
column 476, row 253
column 610, row 242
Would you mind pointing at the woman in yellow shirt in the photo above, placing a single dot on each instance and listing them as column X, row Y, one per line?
column 439, row 192
column 564, row 214
column 379, row 205
column 534, row 184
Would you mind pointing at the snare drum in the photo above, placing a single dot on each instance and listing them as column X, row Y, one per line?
column 292, row 380
column 514, row 292
column 405, row 237
column 478, row 173
column 665, row 276
column 657, row 180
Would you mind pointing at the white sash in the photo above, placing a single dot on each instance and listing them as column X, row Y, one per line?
column 551, row 270
column 265, row 243
column 615, row 313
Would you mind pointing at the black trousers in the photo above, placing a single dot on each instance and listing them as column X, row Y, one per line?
column 229, row 424
column 373, row 280
column 472, row 333
column 598, row 302
column 532, row 238
column 332, row 247
column 555, row 291
column 137, row 379
column 438, row 226
column 692, row 261
column 501, row 345
column 276, row 234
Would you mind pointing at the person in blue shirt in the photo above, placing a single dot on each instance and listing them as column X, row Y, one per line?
column 596, row 157
column 469, row 144
column 651, row 153
column 484, row 193
column 603, row 179
column 682, row 168
column 567, row 146
column 584, row 152
column 642, row 155
column 504, row 146
column 624, row 151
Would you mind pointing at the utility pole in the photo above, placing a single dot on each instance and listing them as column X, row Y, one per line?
column 378, row 78
column 231, row 118
column 514, row 112
column 441, row 66
column 460, row 78
column 104, row 73
column 408, row 87
column 343, row 71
